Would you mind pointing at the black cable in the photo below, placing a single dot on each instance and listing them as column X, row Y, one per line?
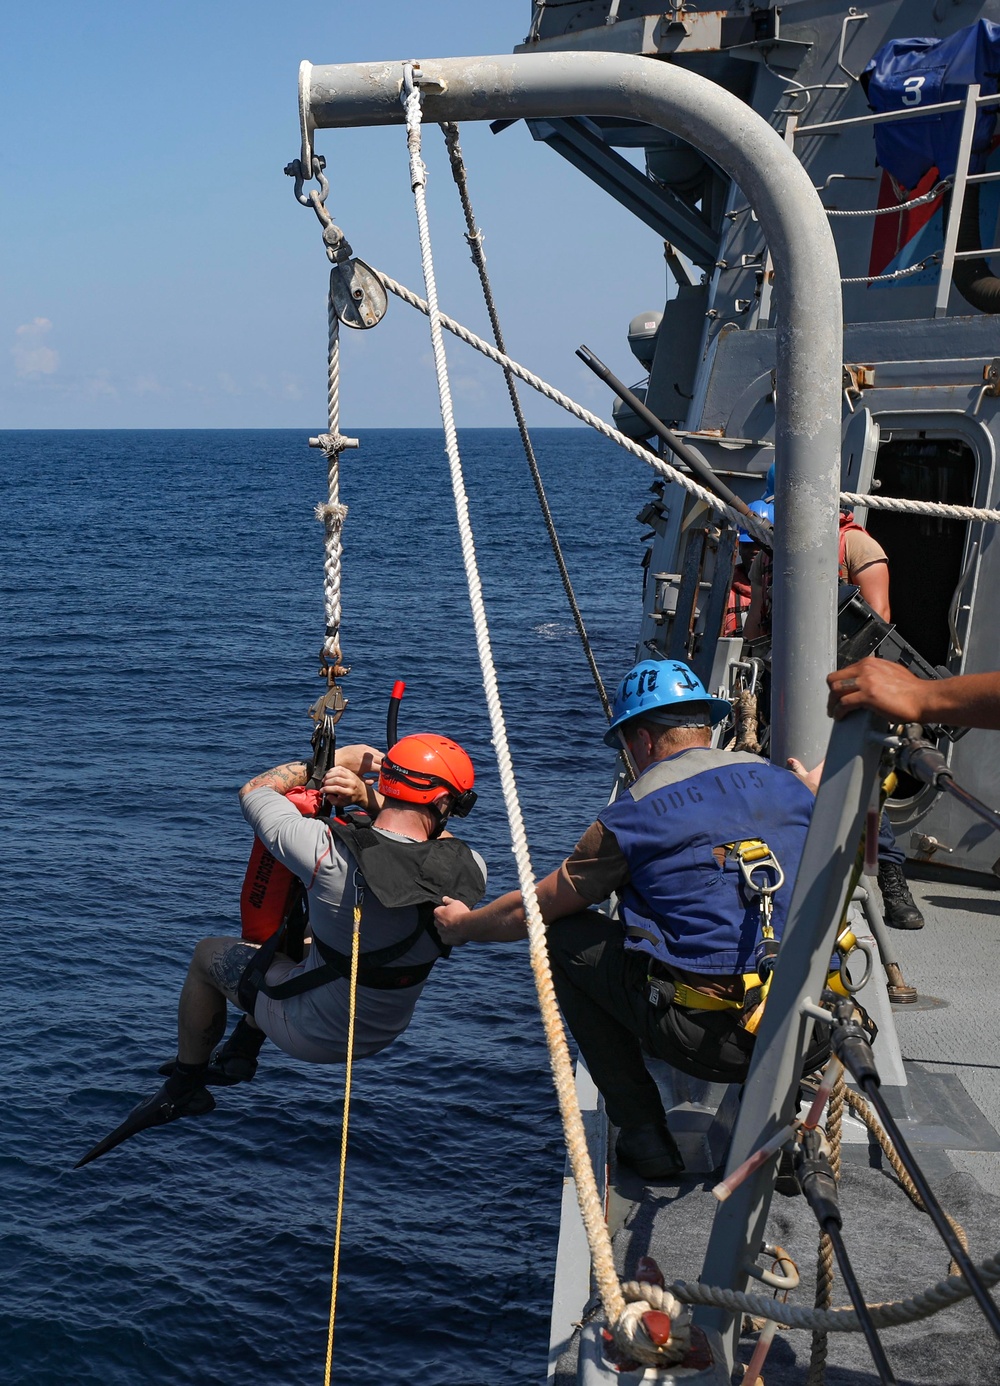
column 886, row 1375
column 817, row 1182
column 474, row 239
column 959, row 1255
column 852, row 1047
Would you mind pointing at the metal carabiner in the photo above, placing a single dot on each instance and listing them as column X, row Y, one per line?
column 762, row 863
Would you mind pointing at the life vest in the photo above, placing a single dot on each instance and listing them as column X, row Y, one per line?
column 270, row 889
column 683, row 905
column 737, row 606
column 399, row 875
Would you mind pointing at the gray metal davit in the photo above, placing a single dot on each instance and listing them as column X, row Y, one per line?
column 806, row 290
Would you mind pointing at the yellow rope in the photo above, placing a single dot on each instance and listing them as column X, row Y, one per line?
column 355, row 955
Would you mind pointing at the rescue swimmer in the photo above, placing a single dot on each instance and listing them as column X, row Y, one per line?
column 394, row 868
column 701, row 852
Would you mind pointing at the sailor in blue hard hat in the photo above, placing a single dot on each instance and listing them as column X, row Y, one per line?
column 663, row 691
column 674, row 972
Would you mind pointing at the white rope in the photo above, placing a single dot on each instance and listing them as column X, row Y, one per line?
column 332, row 514
column 931, row 196
column 669, row 473
column 630, row 1332
column 896, row 274
column 915, row 507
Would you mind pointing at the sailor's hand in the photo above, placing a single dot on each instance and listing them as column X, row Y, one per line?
column 361, row 760
column 342, row 786
column 451, row 919
column 880, row 685
column 810, row 778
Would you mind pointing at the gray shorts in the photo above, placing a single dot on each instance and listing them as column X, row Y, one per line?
column 270, row 1016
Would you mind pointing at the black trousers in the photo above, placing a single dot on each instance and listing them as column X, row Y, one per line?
column 603, row 993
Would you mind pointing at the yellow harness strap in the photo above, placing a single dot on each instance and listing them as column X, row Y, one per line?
column 702, row 1001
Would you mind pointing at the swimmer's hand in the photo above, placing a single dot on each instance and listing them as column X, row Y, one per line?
column 360, row 760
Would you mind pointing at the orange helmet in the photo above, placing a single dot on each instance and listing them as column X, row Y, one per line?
column 425, row 768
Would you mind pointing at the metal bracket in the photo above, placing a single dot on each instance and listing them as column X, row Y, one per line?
column 925, row 846
column 858, row 378
column 852, row 17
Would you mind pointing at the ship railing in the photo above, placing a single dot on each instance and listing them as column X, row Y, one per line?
column 969, row 106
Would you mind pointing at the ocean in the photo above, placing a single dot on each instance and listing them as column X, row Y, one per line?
column 162, row 614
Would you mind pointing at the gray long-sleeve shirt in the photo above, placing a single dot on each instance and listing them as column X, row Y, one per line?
column 314, row 1025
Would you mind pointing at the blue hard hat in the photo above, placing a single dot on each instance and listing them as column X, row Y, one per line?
column 769, row 483
column 658, row 683
column 763, row 508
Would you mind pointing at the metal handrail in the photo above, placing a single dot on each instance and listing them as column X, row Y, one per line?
column 969, row 106
column 827, row 127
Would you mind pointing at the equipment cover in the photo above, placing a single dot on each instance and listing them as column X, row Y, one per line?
column 911, row 72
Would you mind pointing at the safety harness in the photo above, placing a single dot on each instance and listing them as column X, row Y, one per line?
column 399, row 874
column 761, row 878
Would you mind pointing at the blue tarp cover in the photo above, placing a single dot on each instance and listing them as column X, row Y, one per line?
column 912, row 72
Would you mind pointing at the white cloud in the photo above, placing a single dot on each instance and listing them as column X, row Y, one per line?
column 31, row 355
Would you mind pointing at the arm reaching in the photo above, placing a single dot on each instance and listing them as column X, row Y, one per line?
column 967, row 700
column 355, row 760
column 504, row 919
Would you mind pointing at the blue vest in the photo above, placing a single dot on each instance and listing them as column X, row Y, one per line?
column 680, row 905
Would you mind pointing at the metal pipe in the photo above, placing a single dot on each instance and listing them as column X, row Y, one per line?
column 673, row 440
column 807, row 293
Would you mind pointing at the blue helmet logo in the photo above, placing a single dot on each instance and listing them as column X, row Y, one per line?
column 658, row 683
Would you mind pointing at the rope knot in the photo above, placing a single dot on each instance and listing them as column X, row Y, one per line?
column 655, row 1327
column 333, row 444
column 331, row 514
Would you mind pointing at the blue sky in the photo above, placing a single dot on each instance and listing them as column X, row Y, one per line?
column 158, row 272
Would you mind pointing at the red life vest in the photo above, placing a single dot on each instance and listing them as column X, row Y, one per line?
column 268, row 887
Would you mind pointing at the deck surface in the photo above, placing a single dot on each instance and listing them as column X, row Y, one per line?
column 953, row 1055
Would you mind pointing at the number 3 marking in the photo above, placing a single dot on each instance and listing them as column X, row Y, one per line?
column 912, row 95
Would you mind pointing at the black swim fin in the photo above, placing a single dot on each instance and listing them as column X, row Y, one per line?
column 157, row 1110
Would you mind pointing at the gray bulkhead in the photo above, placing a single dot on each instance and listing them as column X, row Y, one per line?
column 711, row 357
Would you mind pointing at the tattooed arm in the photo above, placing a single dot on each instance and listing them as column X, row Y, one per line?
column 292, row 775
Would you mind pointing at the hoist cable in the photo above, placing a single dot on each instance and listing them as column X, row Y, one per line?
column 348, row 1071
column 474, row 237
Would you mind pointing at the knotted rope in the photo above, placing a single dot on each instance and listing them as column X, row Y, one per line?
column 332, row 513
column 627, row 1330
column 825, row 1257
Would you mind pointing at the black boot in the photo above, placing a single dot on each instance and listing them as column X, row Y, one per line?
column 233, row 1062
column 649, row 1150
column 237, row 1058
column 897, row 902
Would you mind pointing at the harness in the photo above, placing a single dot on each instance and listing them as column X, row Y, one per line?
column 398, row 875
column 762, row 877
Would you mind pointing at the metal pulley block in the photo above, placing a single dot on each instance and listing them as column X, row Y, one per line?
column 358, row 296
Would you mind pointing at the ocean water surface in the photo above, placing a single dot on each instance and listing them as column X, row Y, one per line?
column 162, row 613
